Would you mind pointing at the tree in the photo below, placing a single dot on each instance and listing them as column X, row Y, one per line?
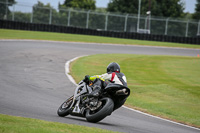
column 82, row 4
column 196, row 15
column 165, row 8
column 41, row 13
column 22, row 16
column 123, row 6
column 4, row 10
column 76, row 19
column 170, row 8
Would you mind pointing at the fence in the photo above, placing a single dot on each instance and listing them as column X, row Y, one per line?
column 100, row 20
column 6, row 24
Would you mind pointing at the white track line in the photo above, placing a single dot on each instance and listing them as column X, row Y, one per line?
column 73, row 81
column 67, row 71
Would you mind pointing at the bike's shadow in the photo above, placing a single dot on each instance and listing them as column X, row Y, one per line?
column 80, row 119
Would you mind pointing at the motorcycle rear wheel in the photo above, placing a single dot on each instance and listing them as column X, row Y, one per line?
column 103, row 111
column 64, row 109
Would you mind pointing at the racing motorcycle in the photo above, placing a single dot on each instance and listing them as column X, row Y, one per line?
column 94, row 109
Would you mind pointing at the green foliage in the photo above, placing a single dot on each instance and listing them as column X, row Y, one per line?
column 165, row 8
column 41, row 12
column 81, row 4
column 97, row 21
column 77, row 19
column 23, row 17
column 3, row 8
column 101, row 10
column 123, row 6
column 169, row 8
column 196, row 15
column 188, row 15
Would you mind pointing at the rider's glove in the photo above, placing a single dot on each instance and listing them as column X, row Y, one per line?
column 87, row 79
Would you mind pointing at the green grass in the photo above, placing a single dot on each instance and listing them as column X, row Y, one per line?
column 14, row 124
column 166, row 86
column 20, row 34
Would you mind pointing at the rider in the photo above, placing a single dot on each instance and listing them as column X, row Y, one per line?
column 99, row 82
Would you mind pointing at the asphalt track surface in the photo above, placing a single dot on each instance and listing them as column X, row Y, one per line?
column 33, row 83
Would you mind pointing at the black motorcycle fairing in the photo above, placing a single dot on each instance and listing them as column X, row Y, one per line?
column 112, row 87
column 118, row 100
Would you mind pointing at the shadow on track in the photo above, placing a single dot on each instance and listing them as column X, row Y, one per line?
column 85, row 121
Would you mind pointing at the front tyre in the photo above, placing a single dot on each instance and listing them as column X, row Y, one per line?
column 64, row 109
column 104, row 110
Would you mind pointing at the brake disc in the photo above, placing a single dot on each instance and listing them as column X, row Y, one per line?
column 93, row 108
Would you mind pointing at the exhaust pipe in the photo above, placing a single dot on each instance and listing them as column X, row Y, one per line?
column 122, row 92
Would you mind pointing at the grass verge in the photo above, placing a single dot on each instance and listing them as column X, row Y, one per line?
column 21, row 34
column 166, row 86
column 14, row 124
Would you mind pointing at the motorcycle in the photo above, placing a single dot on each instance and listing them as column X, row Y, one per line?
column 94, row 109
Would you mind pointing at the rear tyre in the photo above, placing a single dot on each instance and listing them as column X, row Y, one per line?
column 64, row 109
column 104, row 110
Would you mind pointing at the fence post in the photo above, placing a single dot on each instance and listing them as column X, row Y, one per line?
column 106, row 22
column 69, row 13
column 187, row 26
column 32, row 15
column 198, row 30
column 6, row 10
column 125, row 24
column 149, row 24
column 145, row 25
column 50, row 15
column 166, row 26
column 87, row 21
column 13, row 14
column 138, row 22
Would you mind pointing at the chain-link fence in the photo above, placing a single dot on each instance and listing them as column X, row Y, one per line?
column 100, row 20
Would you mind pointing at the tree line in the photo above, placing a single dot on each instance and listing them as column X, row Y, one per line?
column 161, row 8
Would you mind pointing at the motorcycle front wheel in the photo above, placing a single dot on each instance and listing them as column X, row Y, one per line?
column 104, row 110
column 64, row 109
